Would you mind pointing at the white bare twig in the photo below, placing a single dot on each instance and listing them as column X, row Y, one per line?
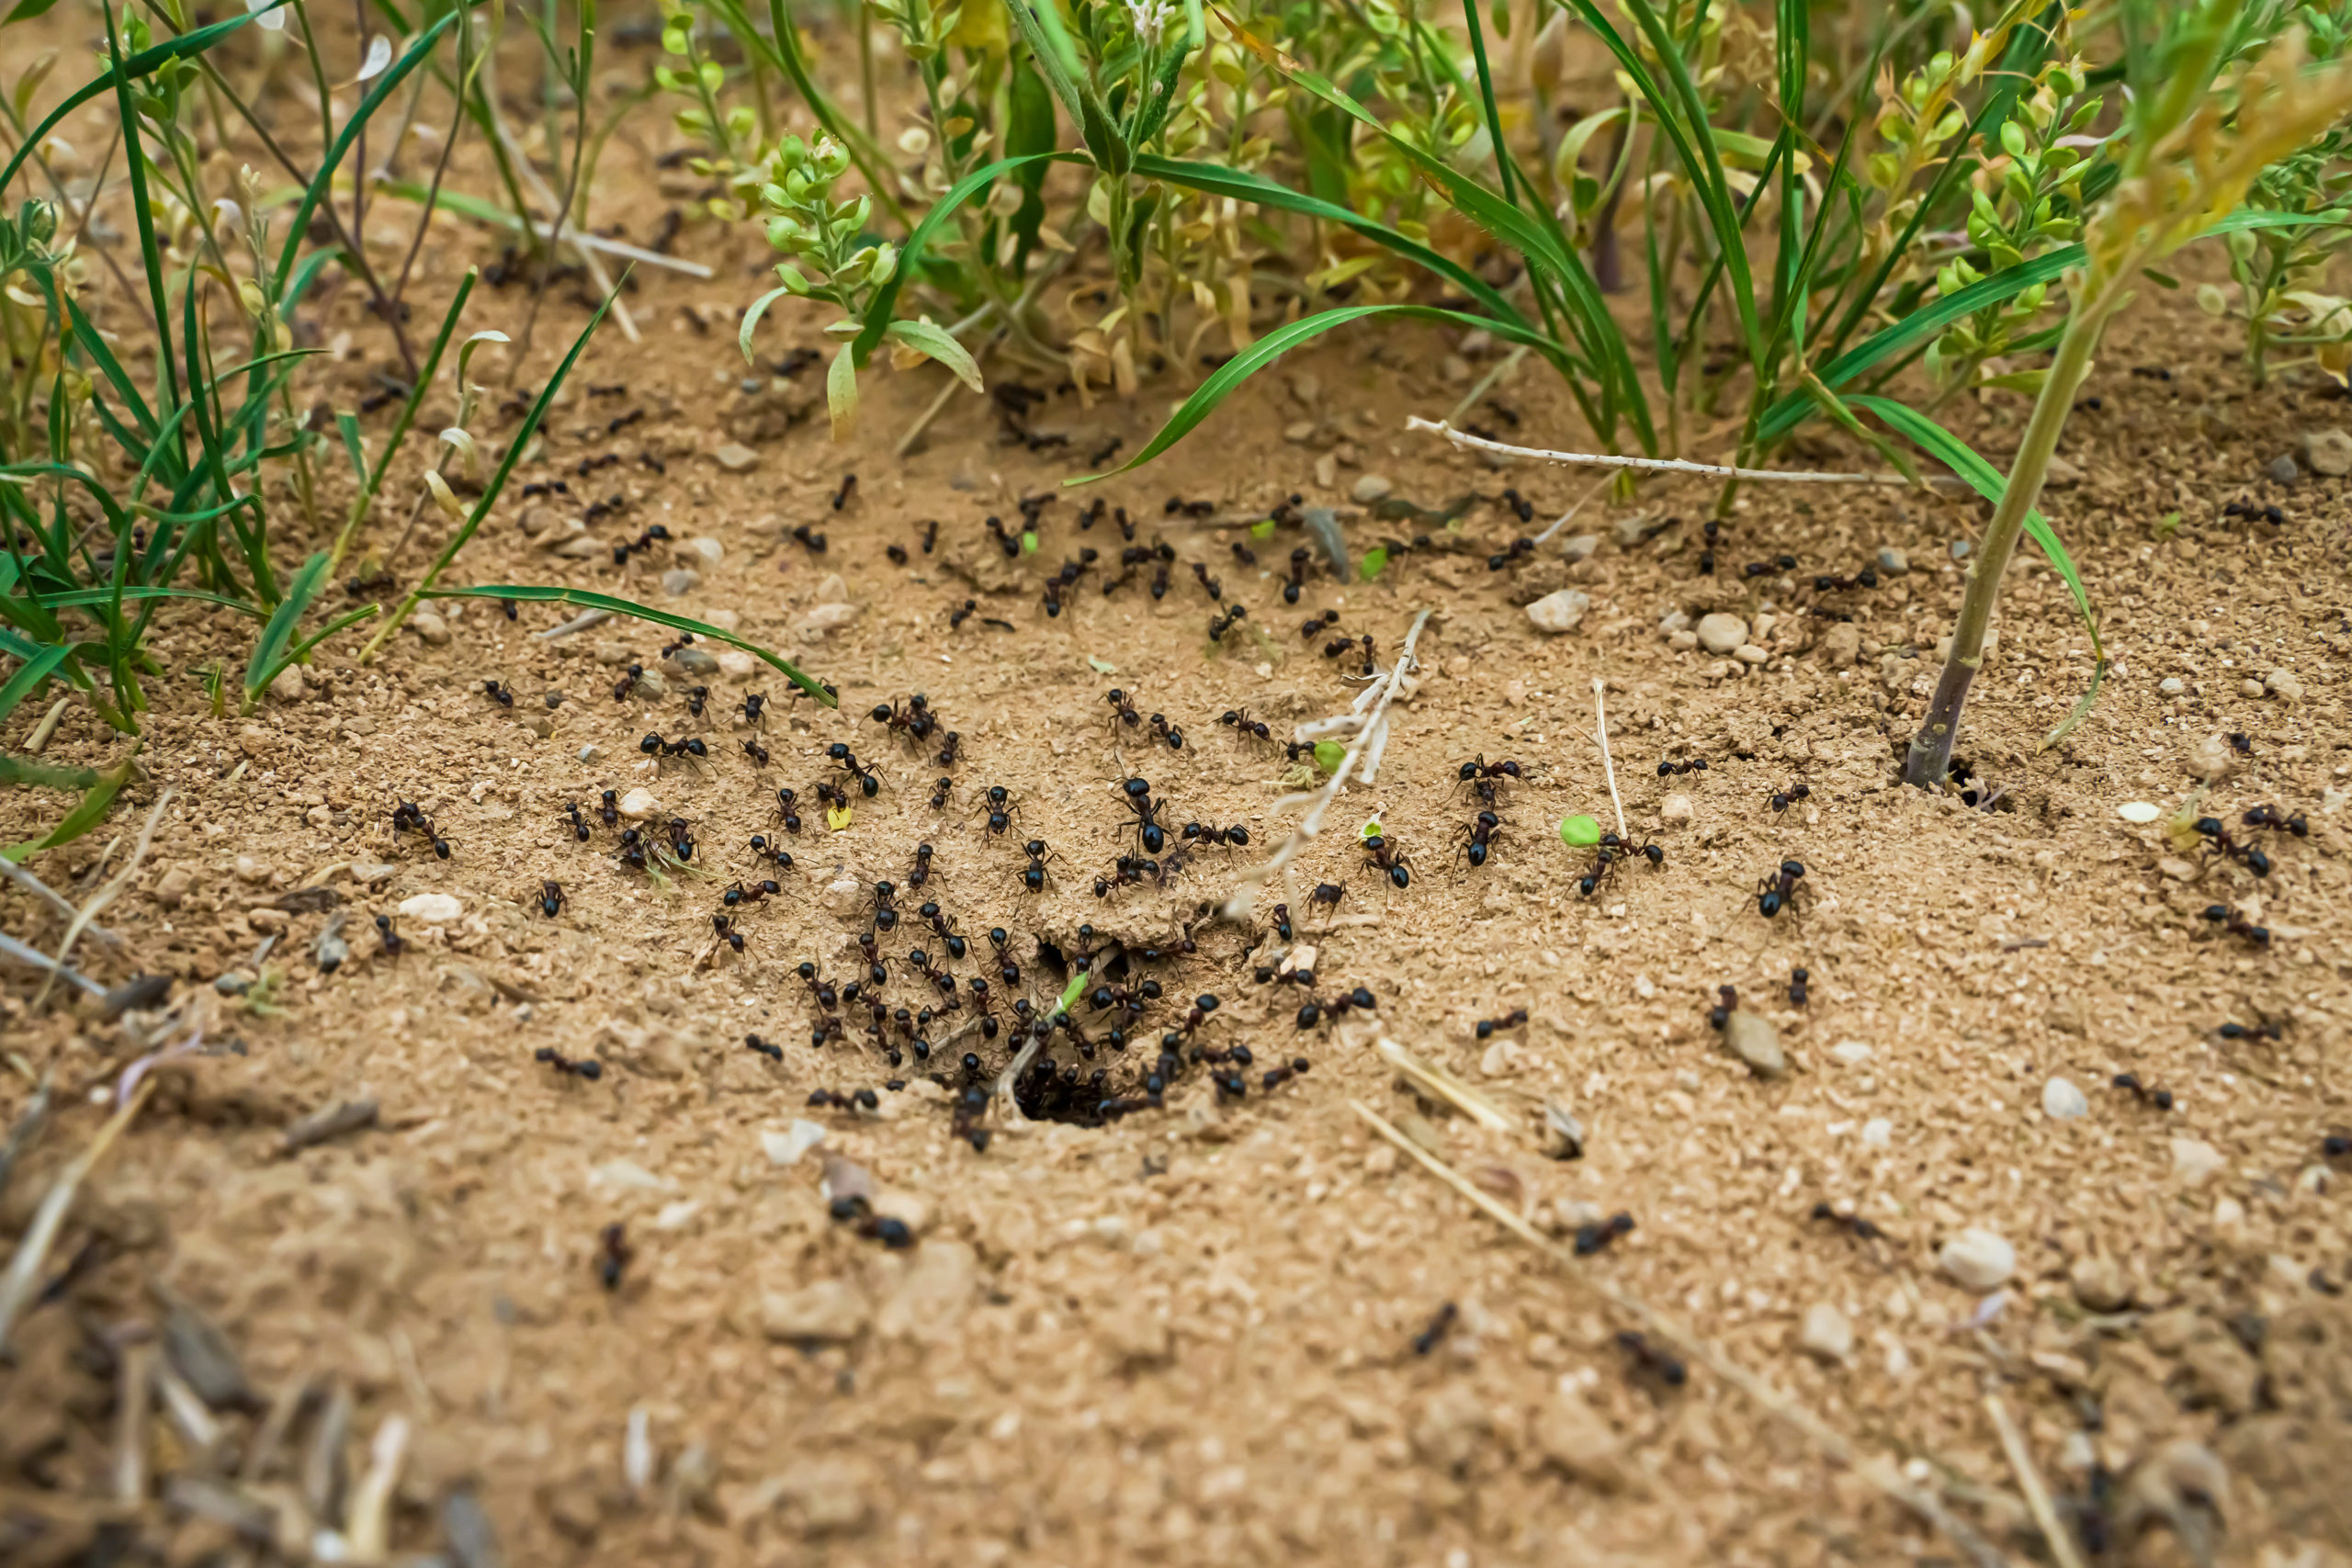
column 16, row 1286
column 1562, row 521
column 1376, row 698
column 53, row 898
column 1601, row 717
column 2037, row 1494
column 1648, row 465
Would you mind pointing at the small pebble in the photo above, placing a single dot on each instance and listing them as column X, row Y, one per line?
column 2250, row 687
column 1978, row 1258
column 680, row 580
column 1748, row 653
column 1628, row 531
column 1826, row 1334
column 2284, row 684
column 1892, row 561
column 834, row 589
column 1372, row 487
column 1851, row 1053
column 2328, row 452
column 702, row 551
column 735, row 458
column 1721, row 631
column 1580, row 546
column 788, row 1147
column 1560, row 612
column 431, row 627
column 1674, row 621
column 1683, row 641
column 1878, row 1133
column 2211, row 759
column 2195, row 1162
column 1676, row 811
column 251, row 870
column 2100, row 1284
column 1756, row 1041
column 2062, row 1101
column 694, row 662
column 737, row 665
column 2171, row 686
column 640, row 803
column 2283, row 470
column 433, row 909
column 2139, row 811
column 1960, row 548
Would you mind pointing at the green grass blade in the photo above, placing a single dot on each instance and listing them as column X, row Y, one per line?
column 298, row 228
column 878, row 313
column 270, row 649
column 589, row 600
column 139, row 593
column 88, row 813
column 15, row 770
column 27, row 681
column 1273, row 346
column 1987, row 481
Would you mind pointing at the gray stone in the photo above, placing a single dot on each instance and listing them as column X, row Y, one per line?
column 1560, row 612
column 1578, row 546
column 1960, row 548
column 2328, row 452
column 680, row 580
column 289, row 686
column 432, row 629
column 1628, row 531
column 694, row 662
column 2284, row 684
column 702, row 551
column 1754, row 1040
column 2283, row 470
column 1978, row 1258
column 736, row 458
column 1721, row 631
column 2171, row 686
column 826, row 1309
column 2100, row 1284
column 2062, row 1101
column 1674, row 621
column 1892, row 561
column 1372, row 487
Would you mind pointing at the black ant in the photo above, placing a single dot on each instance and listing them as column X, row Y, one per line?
column 1313, row 626
column 1521, row 508
column 1652, row 1361
column 1009, row 544
column 591, row 1070
column 632, row 850
column 1125, row 872
column 1695, row 765
column 1297, row 579
column 949, row 749
column 1828, row 583
column 786, row 802
column 1485, row 778
column 1123, row 710
column 755, row 708
column 956, row 618
column 810, row 538
column 2269, row 1029
column 1138, row 795
column 1328, row 895
column 757, row 752
column 1782, row 799
column 2230, row 919
column 1778, row 890
column 390, row 940
column 2241, row 743
column 939, row 793
column 1520, row 548
column 772, row 1053
column 1387, row 860
column 2270, row 816
column 869, row 778
column 1761, row 567
column 739, row 894
column 827, row 996
column 499, row 694
column 1339, row 646
column 885, row 912
column 1240, row 721
column 616, row 1255
column 1858, row 1227
column 1196, row 833
column 550, row 899
column 915, row 720
column 1000, row 811
column 944, row 927
column 897, row 554
column 1428, row 1338
column 579, row 823
column 1596, row 1238
column 1166, row 731
column 1033, row 876
column 728, row 932
column 1479, row 836
column 1611, row 850
column 1313, row 1012
column 2218, row 841
column 776, row 852
column 922, row 871
column 688, row 746
column 2159, row 1097
column 409, row 817
column 1281, row 916
column 929, row 534
column 1727, row 1002
column 682, row 840
column 1514, row 1018
column 686, row 639
column 1215, row 589
column 698, row 698
column 1220, row 624
column 627, row 682
column 1799, row 979
column 610, row 811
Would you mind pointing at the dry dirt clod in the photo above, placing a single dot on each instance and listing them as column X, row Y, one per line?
column 1826, row 1334
column 1978, row 1258
column 2100, row 1284
column 433, row 909
column 1560, row 612
column 2328, row 452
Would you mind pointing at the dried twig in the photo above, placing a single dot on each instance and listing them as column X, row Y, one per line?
column 16, row 1286
column 1650, row 465
column 367, row 1525
column 1601, row 717
column 27, row 1132
column 1563, row 520
column 1244, row 897
column 1831, row 1443
column 2029, row 1482
column 53, row 898
column 33, row 957
column 1439, row 1084
column 328, row 1121
column 107, row 894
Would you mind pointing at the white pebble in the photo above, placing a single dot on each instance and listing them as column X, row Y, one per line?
column 1826, row 1334
column 788, row 1147
column 1560, row 612
column 1851, row 1053
column 433, row 909
column 639, row 804
column 2140, row 812
column 2195, row 1161
column 2062, row 1101
column 1878, row 1133
column 1978, row 1258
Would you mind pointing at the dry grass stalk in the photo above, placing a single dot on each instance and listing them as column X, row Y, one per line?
column 134, row 1398
column 53, row 898
column 1648, row 465
column 28, row 1130
column 1244, row 897
column 107, row 894
column 17, row 1285
column 367, row 1528
column 1439, row 1084
column 2037, row 1494
column 1832, row 1444
column 1600, row 721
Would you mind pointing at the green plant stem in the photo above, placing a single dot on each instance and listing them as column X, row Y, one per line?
column 1929, row 760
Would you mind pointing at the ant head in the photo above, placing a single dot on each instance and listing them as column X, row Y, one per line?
column 1488, row 820
column 838, row 751
column 885, row 889
column 997, row 937
column 2210, row 827
column 881, row 713
column 650, row 744
column 1034, row 847
column 1792, row 868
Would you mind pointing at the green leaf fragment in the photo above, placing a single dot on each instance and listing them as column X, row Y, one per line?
column 1579, row 832
column 1374, row 561
column 1328, row 755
